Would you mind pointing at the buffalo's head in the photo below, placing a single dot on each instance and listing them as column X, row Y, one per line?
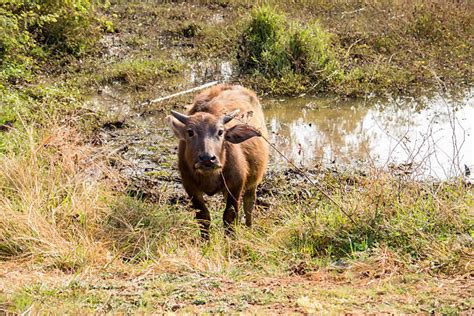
column 205, row 134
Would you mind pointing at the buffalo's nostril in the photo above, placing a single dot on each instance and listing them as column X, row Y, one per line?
column 205, row 157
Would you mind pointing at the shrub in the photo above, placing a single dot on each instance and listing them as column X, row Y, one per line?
column 32, row 30
column 309, row 50
column 273, row 49
column 263, row 47
column 15, row 47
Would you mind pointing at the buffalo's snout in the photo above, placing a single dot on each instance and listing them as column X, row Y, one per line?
column 205, row 157
column 207, row 161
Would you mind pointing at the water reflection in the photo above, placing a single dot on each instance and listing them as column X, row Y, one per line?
column 425, row 137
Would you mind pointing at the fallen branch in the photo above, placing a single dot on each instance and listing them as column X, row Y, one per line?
column 180, row 93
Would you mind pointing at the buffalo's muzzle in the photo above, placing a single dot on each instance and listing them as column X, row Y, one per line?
column 207, row 162
column 207, row 166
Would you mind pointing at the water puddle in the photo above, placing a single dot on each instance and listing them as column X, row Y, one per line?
column 427, row 137
column 430, row 137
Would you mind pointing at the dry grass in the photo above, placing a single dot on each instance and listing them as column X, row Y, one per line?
column 52, row 199
column 59, row 210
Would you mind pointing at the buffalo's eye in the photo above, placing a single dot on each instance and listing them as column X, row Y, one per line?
column 190, row 133
column 220, row 132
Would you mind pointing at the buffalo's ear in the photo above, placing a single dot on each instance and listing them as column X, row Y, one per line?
column 177, row 127
column 240, row 133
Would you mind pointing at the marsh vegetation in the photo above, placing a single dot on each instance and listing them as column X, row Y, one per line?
column 93, row 216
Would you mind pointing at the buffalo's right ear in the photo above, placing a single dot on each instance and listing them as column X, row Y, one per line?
column 177, row 127
column 240, row 133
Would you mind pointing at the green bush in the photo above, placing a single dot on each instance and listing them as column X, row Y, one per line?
column 310, row 52
column 16, row 44
column 263, row 44
column 276, row 51
column 31, row 30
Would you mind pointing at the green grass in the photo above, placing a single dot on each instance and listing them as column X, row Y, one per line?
column 140, row 72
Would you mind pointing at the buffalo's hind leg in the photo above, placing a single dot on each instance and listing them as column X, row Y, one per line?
column 249, row 203
column 203, row 216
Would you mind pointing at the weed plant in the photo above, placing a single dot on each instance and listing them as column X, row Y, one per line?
column 30, row 31
column 286, row 54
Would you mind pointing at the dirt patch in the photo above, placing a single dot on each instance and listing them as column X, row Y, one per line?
column 322, row 291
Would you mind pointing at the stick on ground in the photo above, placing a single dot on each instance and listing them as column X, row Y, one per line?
column 180, row 93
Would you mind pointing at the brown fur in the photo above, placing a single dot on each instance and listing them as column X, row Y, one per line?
column 243, row 164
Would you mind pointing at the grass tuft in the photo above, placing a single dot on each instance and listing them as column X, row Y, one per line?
column 137, row 73
column 51, row 200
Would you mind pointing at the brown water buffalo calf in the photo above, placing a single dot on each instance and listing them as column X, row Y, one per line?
column 220, row 150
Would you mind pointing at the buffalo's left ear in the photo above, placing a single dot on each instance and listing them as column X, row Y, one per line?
column 240, row 133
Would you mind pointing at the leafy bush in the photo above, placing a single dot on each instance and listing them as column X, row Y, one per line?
column 15, row 46
column 310, row 53
column 273, row 49
column 30, row 30
column 263, row 44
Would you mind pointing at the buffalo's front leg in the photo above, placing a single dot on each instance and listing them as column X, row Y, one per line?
column 203, row 216
column 231, row 211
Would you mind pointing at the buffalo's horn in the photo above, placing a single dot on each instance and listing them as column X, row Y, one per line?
column 228, row 117
column 180, row 117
